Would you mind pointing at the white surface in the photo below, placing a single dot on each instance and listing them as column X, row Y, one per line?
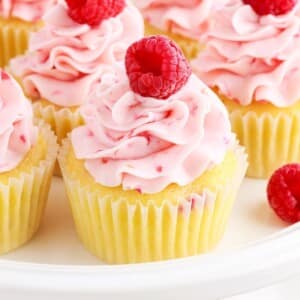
column 255, row 252
column 288, row 290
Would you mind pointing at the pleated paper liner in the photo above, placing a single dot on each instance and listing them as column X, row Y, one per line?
column 61, row 119
column 121, row 227
column 24, row 192
column 190, row 47
column 14, row 36
column 270, row 135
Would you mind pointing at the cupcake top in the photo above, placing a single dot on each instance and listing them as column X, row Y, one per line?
column 27, row 10
column 154, row 126
column 185, row 17
column 67, row 57
column 253, row 52
column 17, row 132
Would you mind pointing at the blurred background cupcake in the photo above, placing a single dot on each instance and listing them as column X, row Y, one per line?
column 18, row 18
column 68, row 55
column 27, row 157
column 252, row 60
column 184, row 21
column 154, row 171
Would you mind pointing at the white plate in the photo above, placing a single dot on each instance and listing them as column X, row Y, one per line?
column 258, row 249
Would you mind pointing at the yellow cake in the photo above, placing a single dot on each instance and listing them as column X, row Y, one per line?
column 126, row 227
column 60, row 78
column 14, row 36
column 190, row 47
column 269, row 133
column 254, row 67
column 27, row 157
column 152, row 175
column 24, row 192
column 185, row 22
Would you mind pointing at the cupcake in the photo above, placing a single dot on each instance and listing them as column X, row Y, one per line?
column 67, row 57
column 184, row 21
column 18, row 18
column 153, row 173
column 27, row 156
column 252, row 60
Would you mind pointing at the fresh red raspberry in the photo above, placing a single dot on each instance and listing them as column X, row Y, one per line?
column 274, row 7
column 93, row 12
column 156, row 67
column 284, row 192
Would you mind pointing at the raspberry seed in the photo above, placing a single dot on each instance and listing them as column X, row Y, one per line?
column 156, row 67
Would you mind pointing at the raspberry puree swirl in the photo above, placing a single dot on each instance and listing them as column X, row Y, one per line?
column 17, row 133
column 145, row 144
column 251, row 57
column 27, row 10
column 66, row 59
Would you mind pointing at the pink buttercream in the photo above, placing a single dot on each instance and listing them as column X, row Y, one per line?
column 66, row 59
column 253, row 58
column 27, row 10
column 145, row 144
column 186, row 17
column 17, row 133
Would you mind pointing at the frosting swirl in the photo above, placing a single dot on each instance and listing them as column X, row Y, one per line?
column 252, row 58
column 17, row 133
column 186, row 17
column 27, row 10
column 66, row 59
column 145, row 144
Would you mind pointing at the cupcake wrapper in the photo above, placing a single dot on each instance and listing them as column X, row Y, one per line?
column 122, row 232
column 270, row 140
column 14, row 39
column 190, row 47
column 61, row 121
column 23, row 199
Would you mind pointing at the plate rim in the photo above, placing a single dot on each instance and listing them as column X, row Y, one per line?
column 240, row 269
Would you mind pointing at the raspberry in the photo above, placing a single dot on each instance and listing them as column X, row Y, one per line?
column 156, row 67
column 274, row 7
column 93, row 12
column 4, row 75
column 284, row 192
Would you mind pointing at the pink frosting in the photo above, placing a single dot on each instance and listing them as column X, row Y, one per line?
column 17, row 133
column 66, row 59
column 186, row 17
column 145, row 144
column 28, row 10
column 253, row 58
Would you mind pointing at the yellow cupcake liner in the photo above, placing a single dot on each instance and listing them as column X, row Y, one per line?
column 23, row 194
column 270, row 135
column 120, row 229
column 61, row 119
column 190, row 47
column 14, row 36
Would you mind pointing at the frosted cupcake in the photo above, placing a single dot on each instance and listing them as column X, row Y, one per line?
column 184, row 21
column 252, row 60
column 18, row 18
column 67, row 57
column 154, row 171
column 27, row 156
